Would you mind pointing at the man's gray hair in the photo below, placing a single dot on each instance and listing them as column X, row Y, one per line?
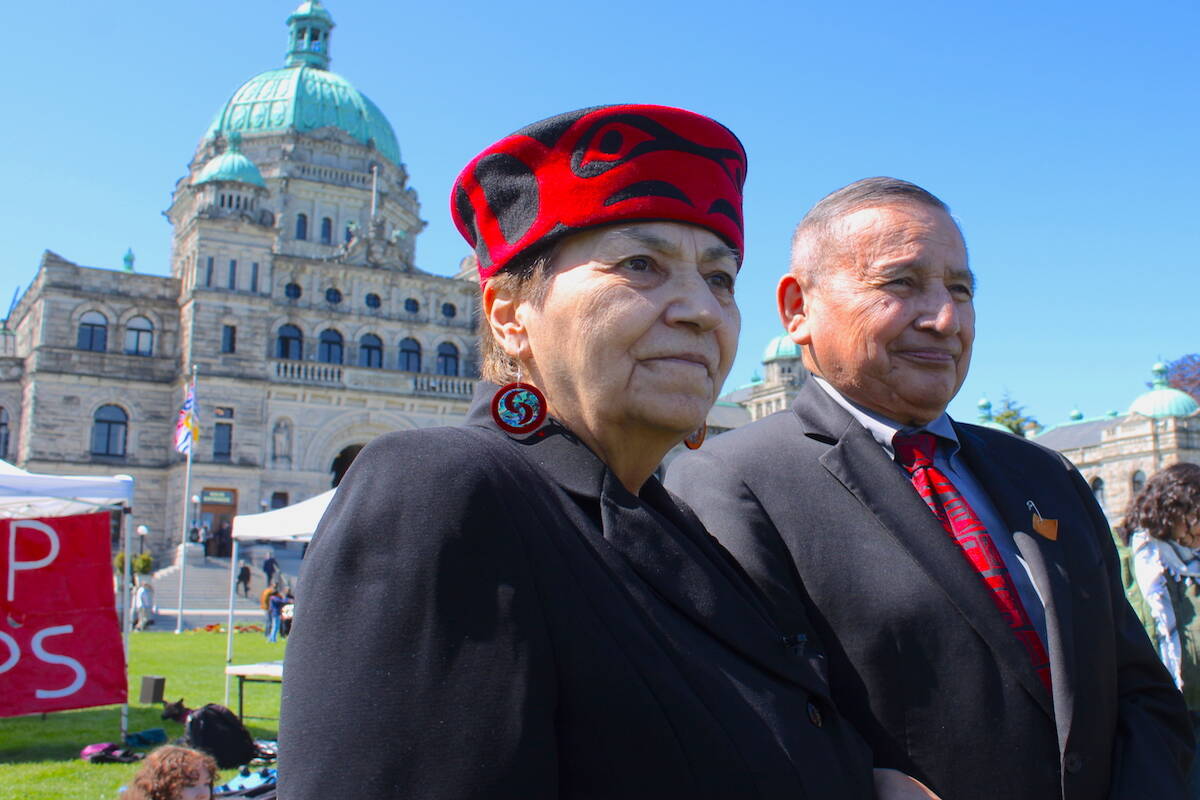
column 813, row 244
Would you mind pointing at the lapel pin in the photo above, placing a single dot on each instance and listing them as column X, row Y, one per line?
column 1048, row 528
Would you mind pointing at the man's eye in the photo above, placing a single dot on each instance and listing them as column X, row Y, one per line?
column 962, row 290
column 638, row 263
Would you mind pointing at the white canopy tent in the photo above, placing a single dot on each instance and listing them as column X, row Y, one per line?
column 294, row 523
column 28, row 495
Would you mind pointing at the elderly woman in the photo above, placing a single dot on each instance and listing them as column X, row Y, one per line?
column 516, row 608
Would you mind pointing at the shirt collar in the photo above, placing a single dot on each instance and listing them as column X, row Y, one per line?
column 882, row 429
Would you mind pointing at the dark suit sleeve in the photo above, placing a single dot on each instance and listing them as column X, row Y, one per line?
column 1153, row 744
column 419, row 664
column 732, row 513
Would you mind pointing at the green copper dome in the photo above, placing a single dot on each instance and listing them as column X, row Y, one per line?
column 304, row 95
column 780, row 347
column 1162, row 400
column 985, row 416
column 230, row 165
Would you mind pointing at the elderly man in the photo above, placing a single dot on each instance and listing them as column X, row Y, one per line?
column 962, row 581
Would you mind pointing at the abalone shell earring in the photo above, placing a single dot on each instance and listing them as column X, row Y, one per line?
column 519, row 407
column 693, row 441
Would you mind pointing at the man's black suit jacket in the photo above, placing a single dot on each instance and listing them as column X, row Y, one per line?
column 486, row 617
column 919, row 658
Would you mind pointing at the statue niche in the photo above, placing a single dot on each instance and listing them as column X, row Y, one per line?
column 281, row 442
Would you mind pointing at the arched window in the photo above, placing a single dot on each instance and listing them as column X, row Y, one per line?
column 1098, row 492
column 289, row 343
column 139, row 337
column 448, row 310
column 370, row 351
column 329, row 348
column 410, row 355
column 1137, row 482
column 108, row 431
column 447, row 359
column 293, row 291
column 326, row 230
column 301, row 226
column 411, row 305
column 3, row 432
column 93, row 332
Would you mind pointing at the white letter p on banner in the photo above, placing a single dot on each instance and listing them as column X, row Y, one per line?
column 13, row 564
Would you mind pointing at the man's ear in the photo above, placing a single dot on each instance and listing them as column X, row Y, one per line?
column 501, row 312
column 793, row 302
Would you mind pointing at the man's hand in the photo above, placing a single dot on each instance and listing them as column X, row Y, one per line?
column 892, row 784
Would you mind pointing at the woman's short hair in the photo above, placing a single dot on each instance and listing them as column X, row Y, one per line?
column 1171, row 495
column 526, row 278
column 168, row 770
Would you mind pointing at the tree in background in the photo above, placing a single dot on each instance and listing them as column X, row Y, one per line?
column 1184, row 374
column 1012, row 416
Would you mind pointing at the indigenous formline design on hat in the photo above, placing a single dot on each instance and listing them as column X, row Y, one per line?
column 596, row 166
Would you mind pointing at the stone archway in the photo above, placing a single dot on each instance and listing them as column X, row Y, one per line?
column 343, row 461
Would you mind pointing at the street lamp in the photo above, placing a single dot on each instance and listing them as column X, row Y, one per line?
column 142, row 532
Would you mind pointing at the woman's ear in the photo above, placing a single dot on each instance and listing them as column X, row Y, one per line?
column 501, row 312
column 793, row 302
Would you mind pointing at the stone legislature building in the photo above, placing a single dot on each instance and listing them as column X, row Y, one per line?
column 294, row 293
column 292, row 290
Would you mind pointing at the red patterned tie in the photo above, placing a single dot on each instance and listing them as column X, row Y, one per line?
column 915, row 454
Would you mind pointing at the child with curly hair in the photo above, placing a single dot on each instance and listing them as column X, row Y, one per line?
column 174, row 773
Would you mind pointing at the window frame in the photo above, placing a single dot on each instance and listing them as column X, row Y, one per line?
column 110, row 428
column 444, row 356
column 97, row 333
column 139, row 335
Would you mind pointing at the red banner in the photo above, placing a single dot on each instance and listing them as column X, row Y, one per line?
column 60, row 639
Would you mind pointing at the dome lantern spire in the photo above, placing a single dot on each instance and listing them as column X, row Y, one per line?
column 308, row 35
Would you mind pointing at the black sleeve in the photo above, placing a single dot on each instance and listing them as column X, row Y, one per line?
column 419, row 665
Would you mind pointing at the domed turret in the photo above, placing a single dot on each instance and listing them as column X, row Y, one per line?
column 231, row 166
column 985, row 416
column 1162, row 400
column 1076, row 415
column 304, row 95
column 780, row 347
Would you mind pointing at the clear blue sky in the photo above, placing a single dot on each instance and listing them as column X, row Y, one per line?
column 1063, row 135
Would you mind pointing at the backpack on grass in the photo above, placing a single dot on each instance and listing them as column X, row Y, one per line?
column 217, row 731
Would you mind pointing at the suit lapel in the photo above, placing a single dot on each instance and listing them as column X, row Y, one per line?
column 858, row 462
column 1010, row 490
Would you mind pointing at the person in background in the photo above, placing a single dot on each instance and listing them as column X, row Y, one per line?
column 269, row 567
column 143, row 604
column 516, row 608
column 173, row 773
column 243, row 578
column 1162, row 530
column 275, row 604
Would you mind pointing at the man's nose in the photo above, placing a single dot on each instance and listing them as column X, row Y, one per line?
column 940, row 313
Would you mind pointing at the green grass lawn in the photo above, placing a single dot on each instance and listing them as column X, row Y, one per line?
column 39, row 757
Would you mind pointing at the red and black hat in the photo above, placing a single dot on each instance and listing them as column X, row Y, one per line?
column 622, row 163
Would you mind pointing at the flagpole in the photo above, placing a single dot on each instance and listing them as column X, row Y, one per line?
column 187, row 494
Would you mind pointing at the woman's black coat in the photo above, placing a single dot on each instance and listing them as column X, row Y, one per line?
column 481, row 616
